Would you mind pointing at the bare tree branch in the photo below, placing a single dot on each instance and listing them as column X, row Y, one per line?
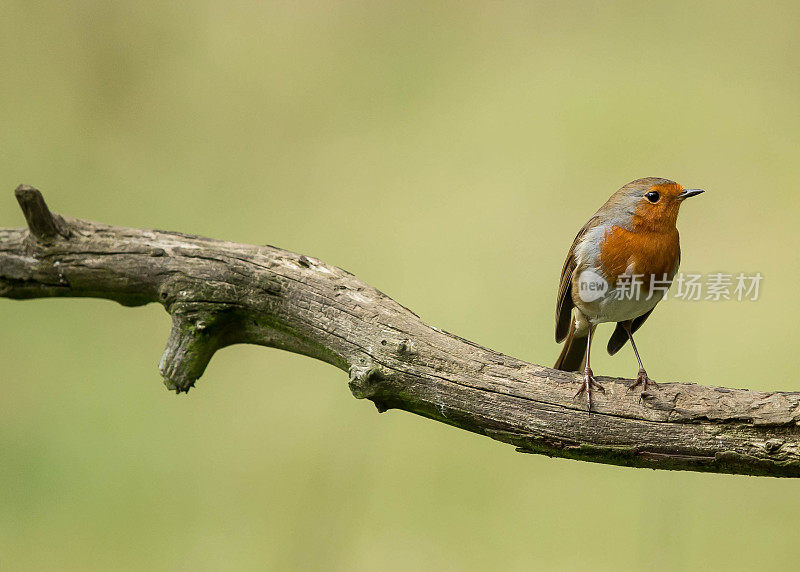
column 221, row 293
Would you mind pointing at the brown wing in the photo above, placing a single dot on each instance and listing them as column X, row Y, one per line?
column 564, row 302
column 620, row 336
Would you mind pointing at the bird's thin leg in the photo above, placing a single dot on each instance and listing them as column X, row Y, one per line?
column 589, row 382
column 641, row 377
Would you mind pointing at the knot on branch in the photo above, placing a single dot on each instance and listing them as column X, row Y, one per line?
column 364, row 379
column 365, row 382
column 43, row 225
column 198, row 330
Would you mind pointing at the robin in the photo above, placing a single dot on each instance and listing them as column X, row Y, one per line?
column 618, row 268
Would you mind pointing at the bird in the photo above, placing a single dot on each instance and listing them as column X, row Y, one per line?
column 618, row 268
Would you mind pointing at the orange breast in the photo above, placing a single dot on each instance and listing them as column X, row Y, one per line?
column 647, row 252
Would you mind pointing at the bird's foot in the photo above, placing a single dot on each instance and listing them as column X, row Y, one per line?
column 587, row 385
column 643, row 380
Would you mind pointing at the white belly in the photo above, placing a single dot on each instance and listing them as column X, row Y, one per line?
column 616, row 307
column 617, row 304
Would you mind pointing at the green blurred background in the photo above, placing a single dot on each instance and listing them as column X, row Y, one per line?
column 446, row 154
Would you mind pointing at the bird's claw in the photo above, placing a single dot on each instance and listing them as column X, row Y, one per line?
column 644, row 381
column 589, row 383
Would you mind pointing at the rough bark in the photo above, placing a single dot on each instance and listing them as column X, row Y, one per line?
column 221, row 293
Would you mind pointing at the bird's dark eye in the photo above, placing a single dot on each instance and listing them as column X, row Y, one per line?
column 653, row 196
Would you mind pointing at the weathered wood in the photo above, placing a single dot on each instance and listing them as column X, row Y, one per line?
column 42, row 224
column 221, row 293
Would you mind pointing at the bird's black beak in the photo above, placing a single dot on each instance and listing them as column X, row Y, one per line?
column 686, row 193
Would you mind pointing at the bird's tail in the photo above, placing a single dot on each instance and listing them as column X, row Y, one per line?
column 573, row 354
